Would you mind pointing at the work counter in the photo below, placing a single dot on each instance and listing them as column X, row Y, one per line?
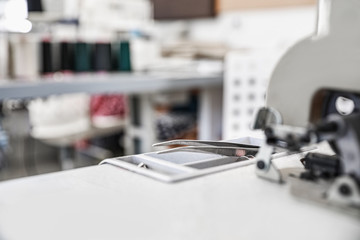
column 107, row 202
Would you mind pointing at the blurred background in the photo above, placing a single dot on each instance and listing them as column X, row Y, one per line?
column 85, row 80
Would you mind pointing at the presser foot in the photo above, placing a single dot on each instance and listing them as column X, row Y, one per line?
column 271, row 173
column 341, row 193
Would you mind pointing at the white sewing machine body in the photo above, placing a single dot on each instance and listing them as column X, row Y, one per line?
column 329, row 59
column 322, row 104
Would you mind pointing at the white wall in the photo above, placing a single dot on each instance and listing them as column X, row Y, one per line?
column 261, row 28
column 247, row 29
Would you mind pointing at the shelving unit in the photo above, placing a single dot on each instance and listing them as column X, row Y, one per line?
column 139, row 85
column 127, row 83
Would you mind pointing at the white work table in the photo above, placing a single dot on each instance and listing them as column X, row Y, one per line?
column 107, row 202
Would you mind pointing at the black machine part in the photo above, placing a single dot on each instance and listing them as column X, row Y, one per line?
column 321, row 166
column 342, row 131
column 344, row 134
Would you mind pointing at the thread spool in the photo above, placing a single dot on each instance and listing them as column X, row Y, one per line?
column 102, row 57
column 4, row 57
column 66, row 56
column 46, row 57
column 34, row 6
column 124, row 63
column 25, row 58
column 83, row 52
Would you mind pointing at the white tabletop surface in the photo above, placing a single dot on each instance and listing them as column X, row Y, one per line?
column 106, row 202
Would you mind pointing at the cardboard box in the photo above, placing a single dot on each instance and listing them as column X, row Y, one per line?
column 183, row 9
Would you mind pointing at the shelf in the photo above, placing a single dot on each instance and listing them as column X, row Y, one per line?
column 127, row 83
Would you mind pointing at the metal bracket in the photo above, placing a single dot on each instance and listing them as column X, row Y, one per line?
column 264, row 166
column 266, row 116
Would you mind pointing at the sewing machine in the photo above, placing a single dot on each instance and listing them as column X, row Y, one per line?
column 318, row 77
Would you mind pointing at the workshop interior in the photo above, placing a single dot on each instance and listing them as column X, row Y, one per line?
column 179, row 119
